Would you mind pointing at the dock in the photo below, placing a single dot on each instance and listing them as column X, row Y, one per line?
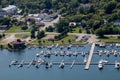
column 90, row 57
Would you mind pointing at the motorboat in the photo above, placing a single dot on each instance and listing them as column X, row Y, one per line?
column 117, row 65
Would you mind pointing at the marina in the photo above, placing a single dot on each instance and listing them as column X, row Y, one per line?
column 37, row 62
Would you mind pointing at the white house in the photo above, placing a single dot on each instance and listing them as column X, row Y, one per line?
column 117, row 23
column 10, row 9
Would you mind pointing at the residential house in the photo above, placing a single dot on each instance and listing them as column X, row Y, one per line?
column 2, row 13
column 72, row 24
column 4, row 27
column 40, row 24
column 117, row 23
column 11, row 9
column 18, row 44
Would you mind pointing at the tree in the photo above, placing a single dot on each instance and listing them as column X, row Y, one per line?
column 40, row 34
column 24, row 27
column 62, row 25
column 32, row 34
column 39, row 42
column 49, row 29
column 110, row 7
column 100, row 32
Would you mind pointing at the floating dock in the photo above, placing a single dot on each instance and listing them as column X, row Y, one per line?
column 90, row 57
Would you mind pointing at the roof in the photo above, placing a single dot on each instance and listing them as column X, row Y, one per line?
column 9, row 7
column 33, row 15
column 3, row 26
column 72, row 24
column 18, row 42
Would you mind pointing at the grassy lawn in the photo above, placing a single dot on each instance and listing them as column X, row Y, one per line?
column 110, row 39
column 22, row 35
column 14, row 29
column 77, row 30
column 64, row 41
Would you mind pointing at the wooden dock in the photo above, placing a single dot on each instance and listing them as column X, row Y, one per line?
column 90, row 57
column 58, row 63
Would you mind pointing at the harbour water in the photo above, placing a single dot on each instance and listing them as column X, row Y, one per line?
column 55, row 73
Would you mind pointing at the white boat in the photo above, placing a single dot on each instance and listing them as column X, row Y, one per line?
column 62, row 64
column 108, row 53
column 13, row 62
column 75, row 54
column 21, row 64
column 100, row 52
column 117, row 65
column 115, row 53
column 85, row 60
column 117, row 45
column 100, row 64
column 37, row 55
column 105, row 61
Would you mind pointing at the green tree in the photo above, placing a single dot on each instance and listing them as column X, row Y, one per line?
column 110, row 7
column 49, row 29
column 40, row 34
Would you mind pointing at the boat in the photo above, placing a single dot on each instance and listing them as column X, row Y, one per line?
column 85, row 60
column 75, row 54
column 13, row 62
column 21, row 64
column 83, row 54
column 115, row 53
column 100, row 52
column 117, row 65
column 39, row 62
column 100, row 64
column 108, row 53
column 117, row 45
column 37, row 55
column 48, row 64
column 31, row 63
column 62, row 64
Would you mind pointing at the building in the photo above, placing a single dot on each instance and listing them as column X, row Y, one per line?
column 72, row 24
column 40, row 24
column 117, row 23
column 2, row 13
column 18, row 44
column 11, row 9
column 53, row 16
column 4, row 27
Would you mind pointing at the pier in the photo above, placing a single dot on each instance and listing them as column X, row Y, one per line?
column 90, row 57
column 58, row 63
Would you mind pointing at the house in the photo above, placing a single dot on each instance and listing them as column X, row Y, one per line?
column 4, row 27
column 40, row 24
column 32, row 16
column 18, row 44
column 11, row 9
column 2, row 13
column 47, row 19
column 117, row 23
column 72, row 24
column 53, row 16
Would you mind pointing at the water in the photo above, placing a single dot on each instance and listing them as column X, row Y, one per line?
column 54, row 73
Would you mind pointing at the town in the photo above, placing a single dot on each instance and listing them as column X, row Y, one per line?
column 43, row 28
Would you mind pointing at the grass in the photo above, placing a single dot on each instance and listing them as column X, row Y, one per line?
column 75, row 30
column 15, row 29
column 110, row 39
column 22, row 35
column 65, row 41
